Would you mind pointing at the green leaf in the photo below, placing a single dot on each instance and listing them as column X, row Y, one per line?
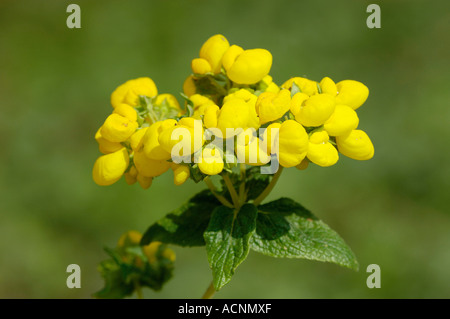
column 285, row 228
column 295, row 89
column 115, row 287
column 184, row 226
column 228, row 240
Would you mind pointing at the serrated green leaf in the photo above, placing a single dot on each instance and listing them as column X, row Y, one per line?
column 285, row 228
column 228, row 240
column 184, row 226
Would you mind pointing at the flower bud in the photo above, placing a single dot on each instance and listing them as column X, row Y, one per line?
column 328, row 86
column 131, row 176
column 151, row 251
column 303, row 164
column 180, row 173
column 109, row 168
column 130, row 238
column 213, row 50
column 144, row 181
column 200, row 66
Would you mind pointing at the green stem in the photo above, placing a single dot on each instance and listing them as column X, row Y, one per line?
column 269, row 187
column 209, row 293
column 213, row 190
column 242, row 194
column 234, row 195
column 138, row 289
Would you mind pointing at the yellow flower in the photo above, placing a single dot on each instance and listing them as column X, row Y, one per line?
column 150, row 141
column 155, row 249
column 352, row 93
column 250, row 66
column 303, row 164
column 328, row 86
column 118, row 128
column 270, row 136
column 211, row 162
column 180, row 173
column 189, row 86
column 144, row 181
column 200, row 103
column 126, row 111
column 271, row 86
column 109, row 168
column 252, row 151
column 130, row 238
column 131, row 176
column 200, row 66
column 210, row 116
column 136, row 138
column 148, row 167
column 242, row 94
column 315, row 110
column 151, row 251
column 272, row 106
column 187, row 134
column 231, row 55
column 292, row 143
column 321, row 151
column 106, row 146
column 213, row 50
column 356, row 145
column 129, row 92
column 305, row 85
column 235, row 114
column 169, row 254
column 342, row 121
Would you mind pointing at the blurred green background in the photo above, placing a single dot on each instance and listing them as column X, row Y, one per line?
column 55, row 85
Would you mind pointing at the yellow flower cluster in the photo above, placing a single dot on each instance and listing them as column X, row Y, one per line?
column 229, row 97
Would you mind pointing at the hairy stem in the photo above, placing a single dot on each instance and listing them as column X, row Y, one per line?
column 242, row 194
column 213, row 190
column 209, row 293
column 234, row 195
column 269, row 187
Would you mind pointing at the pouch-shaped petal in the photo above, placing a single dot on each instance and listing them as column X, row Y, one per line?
column 356, row 145
column 109, row 168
